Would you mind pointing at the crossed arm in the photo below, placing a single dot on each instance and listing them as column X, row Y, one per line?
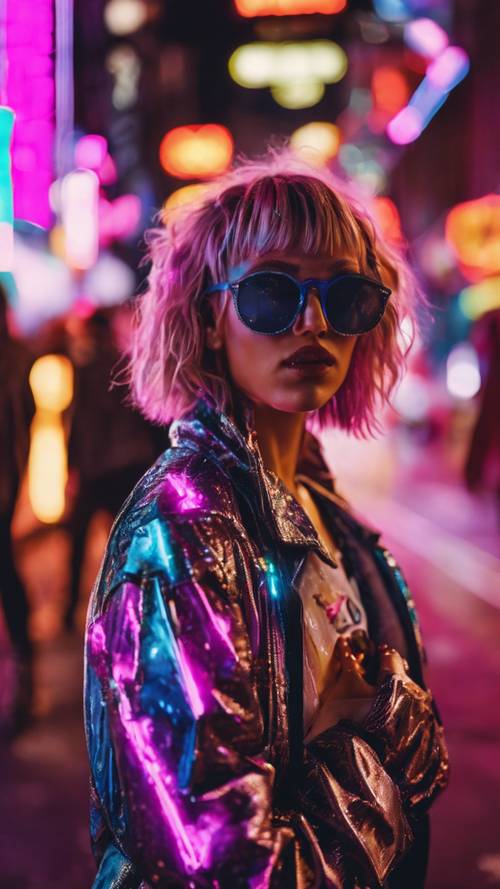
column 172, row 670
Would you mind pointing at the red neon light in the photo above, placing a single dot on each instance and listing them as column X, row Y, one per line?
column 390, row 89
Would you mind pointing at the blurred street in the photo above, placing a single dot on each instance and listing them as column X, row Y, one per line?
column 447, row 542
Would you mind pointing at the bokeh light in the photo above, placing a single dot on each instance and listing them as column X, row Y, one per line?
column 364, row 166
column 90, row 152
column 392, row 10
column 425, row 37
column 449, row 68
column 387, row 215
column 125, row 16
column 110, row 282
column 318, row 142
column 298, row 93
column 124, row 65
column 463, row 379
column 412, row 399
column 390, row 89
column 51, row 381
column 27, row 72
column 472, row 229
column 295, row 72
column 80, row 220
column 196, row 151
column 43, row 284
column 476, row 300
column 406, row 126
column 251, row 8
column 119, row 219
column 182, row 197
column 6, row 195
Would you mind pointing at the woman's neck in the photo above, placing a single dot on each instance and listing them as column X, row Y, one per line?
column 279, row 436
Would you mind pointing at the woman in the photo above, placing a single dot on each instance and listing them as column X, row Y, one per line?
column 256, row 710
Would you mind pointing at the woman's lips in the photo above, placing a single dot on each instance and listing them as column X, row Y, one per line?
column 312, row 358
column 310, row 369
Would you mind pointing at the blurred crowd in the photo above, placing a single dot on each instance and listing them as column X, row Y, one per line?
column 108, row 446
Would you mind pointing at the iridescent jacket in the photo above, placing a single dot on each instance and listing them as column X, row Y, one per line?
column 199, row 773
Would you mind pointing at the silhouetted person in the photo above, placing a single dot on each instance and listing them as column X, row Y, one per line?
column 16, row 412
column 482, row 466
column 110, row 444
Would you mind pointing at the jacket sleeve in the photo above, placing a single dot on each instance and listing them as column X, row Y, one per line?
column 410, row 741
column 172, row 661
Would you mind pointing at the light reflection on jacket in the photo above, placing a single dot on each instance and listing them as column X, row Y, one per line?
column 200, row 777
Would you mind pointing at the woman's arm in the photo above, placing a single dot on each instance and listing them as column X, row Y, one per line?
column 172, row 666
column 408, row 735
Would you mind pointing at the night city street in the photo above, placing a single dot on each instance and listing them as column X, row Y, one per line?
column 249, row 430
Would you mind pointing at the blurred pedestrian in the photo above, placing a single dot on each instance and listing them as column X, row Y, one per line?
column 482, row 466
column 110, row 444
column 16, row 412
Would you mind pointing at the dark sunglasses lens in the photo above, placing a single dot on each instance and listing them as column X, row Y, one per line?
column 267, row 303
column 354, row 305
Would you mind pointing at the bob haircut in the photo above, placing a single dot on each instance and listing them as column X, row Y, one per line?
column 275, row 203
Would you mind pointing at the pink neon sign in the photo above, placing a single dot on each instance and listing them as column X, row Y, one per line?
column 28, row 88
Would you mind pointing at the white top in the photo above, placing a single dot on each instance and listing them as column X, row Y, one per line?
column 331, row 607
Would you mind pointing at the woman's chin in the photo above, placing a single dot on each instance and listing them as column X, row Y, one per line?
column 303, row 403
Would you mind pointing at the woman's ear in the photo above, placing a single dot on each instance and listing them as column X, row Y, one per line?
column 214, row 327
column 214, row 338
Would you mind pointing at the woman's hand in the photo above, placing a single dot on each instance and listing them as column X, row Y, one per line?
column 346, row 678
column 407, row 732
column 346, row 693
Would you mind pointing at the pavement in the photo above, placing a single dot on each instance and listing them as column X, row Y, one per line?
column 448, row 543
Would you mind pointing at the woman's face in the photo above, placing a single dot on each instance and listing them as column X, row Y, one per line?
column 259, row 364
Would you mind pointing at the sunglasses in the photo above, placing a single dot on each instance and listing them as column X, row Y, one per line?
column 270, row 302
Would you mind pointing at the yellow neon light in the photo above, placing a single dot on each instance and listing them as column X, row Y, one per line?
column 298, row 93
column 318, row 141
column 51, row 381
column 257, row 65
column 480, row 298
column 183, row 196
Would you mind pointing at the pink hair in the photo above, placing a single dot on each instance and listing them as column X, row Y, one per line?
column 277, row 203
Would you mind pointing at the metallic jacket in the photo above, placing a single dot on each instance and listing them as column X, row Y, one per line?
column 193, row 700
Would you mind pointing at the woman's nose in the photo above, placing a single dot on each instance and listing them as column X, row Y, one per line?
column 311, row 318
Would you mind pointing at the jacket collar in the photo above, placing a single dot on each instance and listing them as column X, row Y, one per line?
column 231, row 442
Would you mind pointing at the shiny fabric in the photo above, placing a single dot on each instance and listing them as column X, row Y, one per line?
column 193, row 699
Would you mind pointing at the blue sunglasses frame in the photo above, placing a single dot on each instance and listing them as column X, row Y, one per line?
column 321, row 285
